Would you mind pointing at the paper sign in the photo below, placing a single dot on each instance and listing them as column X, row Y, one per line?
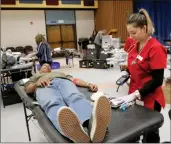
column 60, row 21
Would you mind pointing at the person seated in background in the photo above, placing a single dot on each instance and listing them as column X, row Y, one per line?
column 7, row 59
column 67, row 108
column 29, row 52
column 98, row 42
column 43, row 50
column 93, row 36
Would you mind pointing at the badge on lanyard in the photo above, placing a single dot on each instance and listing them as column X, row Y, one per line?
column 140, row 57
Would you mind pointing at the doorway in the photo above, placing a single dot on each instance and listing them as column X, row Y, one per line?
column 63, row 36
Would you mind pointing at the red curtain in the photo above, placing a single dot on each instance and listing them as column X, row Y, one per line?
column 8, row 2
column 52, row 2
column 88, row 2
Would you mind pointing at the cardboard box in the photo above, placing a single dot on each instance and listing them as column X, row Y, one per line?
column 167, row 92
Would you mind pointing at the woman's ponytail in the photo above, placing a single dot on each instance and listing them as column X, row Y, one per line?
column 150, row 27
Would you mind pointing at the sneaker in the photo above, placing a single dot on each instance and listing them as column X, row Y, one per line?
column 100, row 119
column 71, row 126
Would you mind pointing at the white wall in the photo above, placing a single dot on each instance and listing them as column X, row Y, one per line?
column 84, row 23
column 16, row 29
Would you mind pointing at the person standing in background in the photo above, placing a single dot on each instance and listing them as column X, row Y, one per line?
column 93, row 36
column 43, row 50
column 98, row 42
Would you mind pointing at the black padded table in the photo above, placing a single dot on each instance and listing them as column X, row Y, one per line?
column 8, row 79
column 19, row 67
column 124, row 127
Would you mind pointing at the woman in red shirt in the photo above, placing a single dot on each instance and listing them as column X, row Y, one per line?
column 146, row 63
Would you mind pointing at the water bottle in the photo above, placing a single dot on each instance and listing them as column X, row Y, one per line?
column 67, row 60
column 124, row 106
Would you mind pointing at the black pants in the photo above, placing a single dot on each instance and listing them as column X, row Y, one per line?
column 153, row 137
column 98, row 51
column 43, row 62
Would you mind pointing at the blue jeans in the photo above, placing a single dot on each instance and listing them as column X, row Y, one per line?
column 63, row 92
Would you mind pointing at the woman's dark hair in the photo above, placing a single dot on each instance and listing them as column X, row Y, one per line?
column 94, row 31
column 28, row 49
column 140, row 19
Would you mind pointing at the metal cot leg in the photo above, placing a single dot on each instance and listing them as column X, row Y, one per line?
column 27, row 124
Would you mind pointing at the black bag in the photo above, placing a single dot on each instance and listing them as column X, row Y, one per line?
column 100, row 64
column 91, row 54
column 10, row 96
column 86, row 64
column 104, row 56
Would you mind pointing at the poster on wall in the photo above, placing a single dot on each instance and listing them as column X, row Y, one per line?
column 31, row 1
column 8, row 2
column 71, row 2
column 52, row 2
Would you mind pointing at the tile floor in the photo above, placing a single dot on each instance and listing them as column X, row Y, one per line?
column 13, row 126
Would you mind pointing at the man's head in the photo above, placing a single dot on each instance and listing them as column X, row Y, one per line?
column 46, row 68
column 103, row 31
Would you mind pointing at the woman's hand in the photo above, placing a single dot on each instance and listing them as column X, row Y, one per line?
column 92, row 87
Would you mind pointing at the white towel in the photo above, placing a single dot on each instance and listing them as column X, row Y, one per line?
column 96, row 95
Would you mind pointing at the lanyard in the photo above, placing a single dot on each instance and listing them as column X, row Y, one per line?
column 131, row 47
column 138, row 56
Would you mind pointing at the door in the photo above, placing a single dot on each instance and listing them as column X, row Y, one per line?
column 68, row 36
column 61, row 36
column 54, row 36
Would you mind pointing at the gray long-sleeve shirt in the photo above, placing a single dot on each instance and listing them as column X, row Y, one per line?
column 98, row 38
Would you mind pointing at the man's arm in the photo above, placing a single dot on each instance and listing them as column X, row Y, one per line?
column 82, row 83
column 30, row 88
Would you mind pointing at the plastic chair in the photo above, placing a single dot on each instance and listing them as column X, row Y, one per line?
column 19, row 49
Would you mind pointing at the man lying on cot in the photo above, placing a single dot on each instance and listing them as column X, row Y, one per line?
column 67, row 108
